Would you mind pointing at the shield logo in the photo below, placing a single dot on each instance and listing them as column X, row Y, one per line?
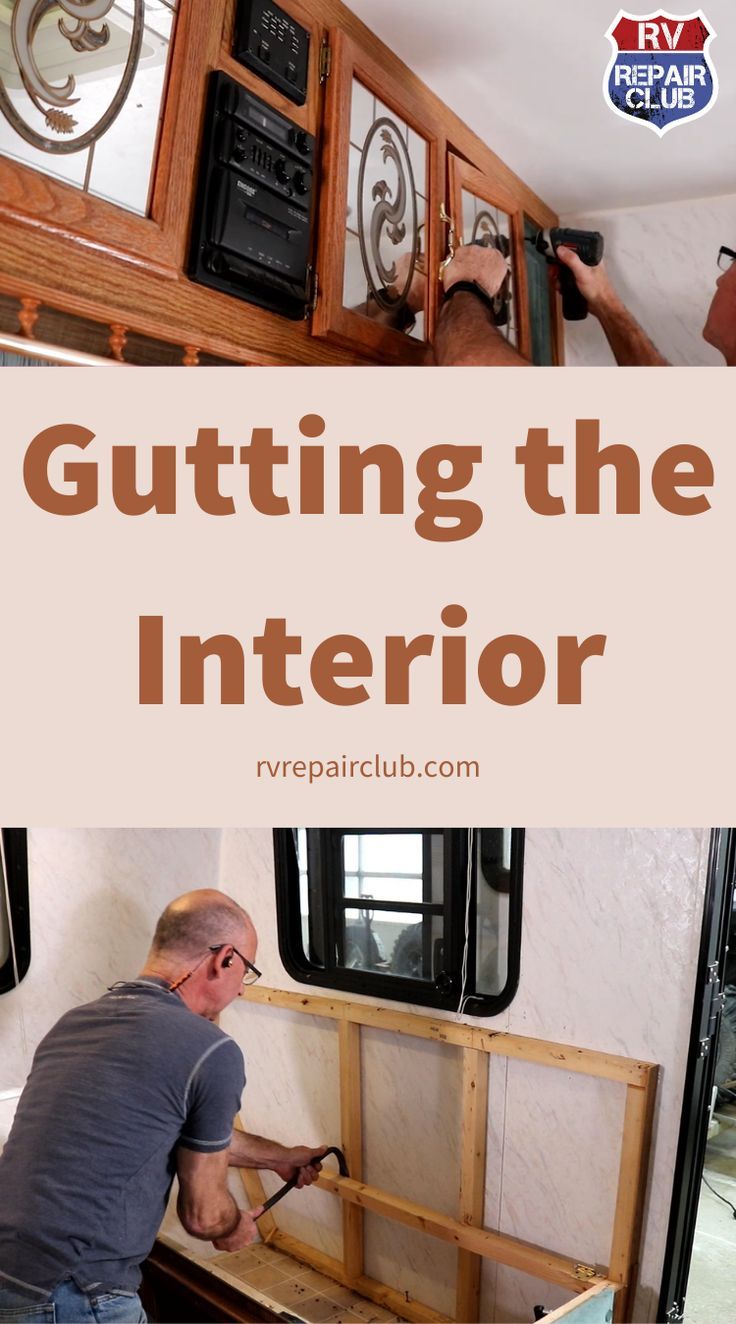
column 660, row 74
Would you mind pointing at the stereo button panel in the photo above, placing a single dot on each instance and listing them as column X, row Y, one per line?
column 271, row 43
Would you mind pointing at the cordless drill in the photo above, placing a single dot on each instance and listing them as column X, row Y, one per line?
column 588, row 244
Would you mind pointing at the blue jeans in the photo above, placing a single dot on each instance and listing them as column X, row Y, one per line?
column 67, row 1305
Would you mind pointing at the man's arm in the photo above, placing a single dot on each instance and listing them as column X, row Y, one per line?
column 205, row 1206
column 466, row 335
column 251, row 1151
column 631, row 346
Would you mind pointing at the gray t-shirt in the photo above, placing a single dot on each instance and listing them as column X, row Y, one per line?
column 85, row 1175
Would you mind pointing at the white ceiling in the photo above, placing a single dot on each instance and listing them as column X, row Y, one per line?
column 527, row 76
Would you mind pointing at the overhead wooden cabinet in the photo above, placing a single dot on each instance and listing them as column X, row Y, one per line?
column 103, row 128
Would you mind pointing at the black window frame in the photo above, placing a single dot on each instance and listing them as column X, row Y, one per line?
column 15, row 849
column 324, row 867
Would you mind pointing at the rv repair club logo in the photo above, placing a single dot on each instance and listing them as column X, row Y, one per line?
column 660, row 73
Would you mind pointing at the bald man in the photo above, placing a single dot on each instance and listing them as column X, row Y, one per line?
column 124, row 1094
column 720, row 328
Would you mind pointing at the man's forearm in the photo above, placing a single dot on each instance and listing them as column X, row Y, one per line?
column 466, row 337
column 215, row 1224
column 631, row 346
column 249, row 1151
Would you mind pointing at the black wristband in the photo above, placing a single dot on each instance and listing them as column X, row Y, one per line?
column 470, row 287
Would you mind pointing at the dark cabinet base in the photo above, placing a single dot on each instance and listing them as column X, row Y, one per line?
column 175, row 1291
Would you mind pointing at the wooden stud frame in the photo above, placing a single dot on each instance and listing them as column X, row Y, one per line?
column 473, row 1241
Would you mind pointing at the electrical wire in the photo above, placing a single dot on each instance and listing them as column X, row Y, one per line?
column 719, row 1196
column 466, row 948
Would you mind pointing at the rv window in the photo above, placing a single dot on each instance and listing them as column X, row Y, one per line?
column 15, row 931
column 422, row 915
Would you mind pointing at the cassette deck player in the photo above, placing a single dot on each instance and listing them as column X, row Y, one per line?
column 252, row 224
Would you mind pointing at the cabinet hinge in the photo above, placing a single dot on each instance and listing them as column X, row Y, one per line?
column 325, row 61
column 313, row 291
column 584, row 1272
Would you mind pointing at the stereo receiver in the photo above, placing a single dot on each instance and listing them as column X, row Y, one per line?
column 252, row 223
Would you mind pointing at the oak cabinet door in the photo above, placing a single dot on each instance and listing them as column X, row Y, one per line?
column 378, row 247
column 482, row 212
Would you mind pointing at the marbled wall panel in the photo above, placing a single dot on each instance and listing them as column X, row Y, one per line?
column 663, row 263
column 560, row 1160
column 412, row 1118
column 292, row 1095
column 95, row 896
column 515, row 1290
column 625, row 909
column 411, row 1262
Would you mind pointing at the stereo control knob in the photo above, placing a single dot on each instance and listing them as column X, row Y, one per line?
column 281, row 171
column 302, row 181
column 299, row 140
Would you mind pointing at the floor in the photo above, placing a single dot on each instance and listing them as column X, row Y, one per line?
column 306, row 1294
column 711, row 1291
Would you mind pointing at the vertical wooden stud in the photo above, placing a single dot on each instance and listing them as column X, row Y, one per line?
column 351, row 1125
column 635, row 1146
column 472, row 1177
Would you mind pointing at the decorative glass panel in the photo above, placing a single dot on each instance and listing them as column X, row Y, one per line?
column 386, row 215
column 81, row 91
column 489, row 225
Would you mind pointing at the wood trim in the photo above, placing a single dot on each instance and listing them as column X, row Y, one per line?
column 472, row 1176
column 635, row 1151
column 581, row 1061
column 351, row 1123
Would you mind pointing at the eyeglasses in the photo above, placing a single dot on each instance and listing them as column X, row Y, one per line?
column 251, row 974
column 726, row 257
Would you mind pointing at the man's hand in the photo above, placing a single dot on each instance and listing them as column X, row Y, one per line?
column 593, row 282
column 243, row 1234
column 302, row 1160
column 472, row 262
column 416, row 299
